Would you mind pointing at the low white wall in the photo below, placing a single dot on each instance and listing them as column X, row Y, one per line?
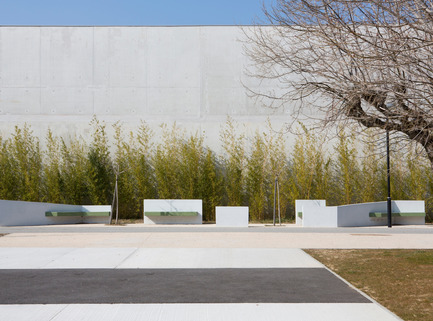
column 299, row 207
column 14, row 213
column 352, row 215
column 320, row 216
column 232, row 216
column 158, row 205
column 358, row 214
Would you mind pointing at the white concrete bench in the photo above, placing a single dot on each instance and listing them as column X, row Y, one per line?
column 232, row 216
column 157, row 211
column 315, row 213
column 19, row 213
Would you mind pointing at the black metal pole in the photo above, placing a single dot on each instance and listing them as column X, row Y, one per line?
column 388, row 171
column 275, row 195
column 278, row 200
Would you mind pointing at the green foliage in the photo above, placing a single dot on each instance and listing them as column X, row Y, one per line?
column 128, row 204
column 166, row 163
column 399, row 174
column 181, row 166
column 277, row 167
column 210, row 185
column 234, row 162
column 53, row 187
column 258, row 181
column 138, row 174
column 347, row 169
column 373, row 174
column 417, row 176
column 74, row 171
column 7, row 172
column 21, row 166
column 309, row 170
column 186, row 169
column 100, row 168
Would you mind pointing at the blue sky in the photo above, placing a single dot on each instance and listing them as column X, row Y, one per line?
column 130, row 12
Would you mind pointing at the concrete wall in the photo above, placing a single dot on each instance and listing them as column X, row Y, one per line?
column 14, row 213
column 59, row 77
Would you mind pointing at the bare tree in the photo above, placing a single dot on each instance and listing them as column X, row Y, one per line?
column 367, row 61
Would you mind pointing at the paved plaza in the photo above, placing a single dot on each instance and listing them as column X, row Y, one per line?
column 138, row 272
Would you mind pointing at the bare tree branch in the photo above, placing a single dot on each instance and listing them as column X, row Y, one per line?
column 368, row 61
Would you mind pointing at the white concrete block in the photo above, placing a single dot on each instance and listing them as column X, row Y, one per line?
column 314, row 216
column 232, row 216
column 299, row 204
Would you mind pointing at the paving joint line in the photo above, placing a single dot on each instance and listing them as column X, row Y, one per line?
column 126, row 258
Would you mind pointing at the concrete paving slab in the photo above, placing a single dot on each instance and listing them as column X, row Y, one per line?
column 91, row 258
column 134, row 258
column 374, row 239
column 34, row 312
column 198, row 312
column 30, row 258
column 228, row 246
column 219, row 258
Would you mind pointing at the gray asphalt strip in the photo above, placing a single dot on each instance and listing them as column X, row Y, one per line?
column 79, row 286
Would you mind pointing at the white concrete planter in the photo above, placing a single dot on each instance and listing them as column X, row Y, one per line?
column 315, row 213
column 156, row 211
column 232, row 216
column 15, row 213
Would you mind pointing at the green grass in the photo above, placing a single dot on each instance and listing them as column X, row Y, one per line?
column 400, row 280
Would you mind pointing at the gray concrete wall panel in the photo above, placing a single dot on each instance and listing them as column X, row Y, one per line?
column 120, row 57
column 174, row 57
column 66, row 57
column 67, row 101
column 19, row 57
column 120, row 101
column 59, row 77
column 20, row 101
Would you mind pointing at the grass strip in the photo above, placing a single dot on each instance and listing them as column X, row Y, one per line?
column 400, row 280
